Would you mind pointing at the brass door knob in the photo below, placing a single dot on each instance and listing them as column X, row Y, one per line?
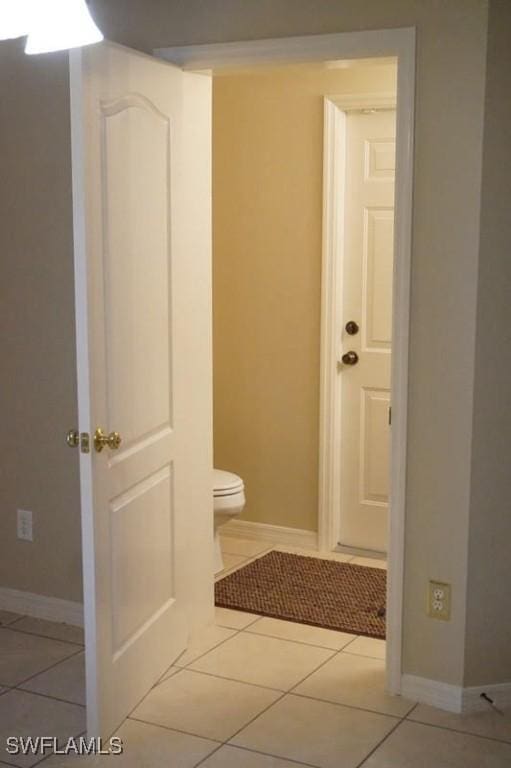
column 350, row 358
column 101, row 439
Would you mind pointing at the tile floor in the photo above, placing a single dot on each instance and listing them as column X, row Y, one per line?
column 252, row 692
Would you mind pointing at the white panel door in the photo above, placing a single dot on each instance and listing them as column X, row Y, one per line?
column 367, row 301
column 141, row 190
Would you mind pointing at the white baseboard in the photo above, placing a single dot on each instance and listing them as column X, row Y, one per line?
column 454, row 698
column 276, row 534
column 432, row 692
column 41, row 606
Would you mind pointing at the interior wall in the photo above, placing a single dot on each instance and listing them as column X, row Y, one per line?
column 451, row 47
column 38, row 472
column 488, row 644
column 267, row 249
column 451, row 51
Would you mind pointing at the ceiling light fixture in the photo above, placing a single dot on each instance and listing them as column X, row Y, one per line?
column 60, row 24
column 15, row 18
column 51, row 25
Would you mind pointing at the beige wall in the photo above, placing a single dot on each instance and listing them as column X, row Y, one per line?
column 38, row 402
column 267, row 221
column 488, row 645
column 451, row 45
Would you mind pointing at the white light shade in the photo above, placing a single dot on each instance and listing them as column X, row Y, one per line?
column 15, row 18
column 61, row 24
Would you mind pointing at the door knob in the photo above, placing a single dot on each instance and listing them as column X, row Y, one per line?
column 101, row 439
column 350, row 358
column 351, row 327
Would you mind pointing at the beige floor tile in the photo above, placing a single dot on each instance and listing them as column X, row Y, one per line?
column 246, row 547
column 369, row 562
column 231, row 562
column 149, row 746
column 209, row 639
column 301, row 633
column 262, row 660
column 168, row 673
column 339, row 557
column 22, row 656
column 144, row 746
column 203, row 705
column 52, row 629
column 315, row 732
column 420, row 746
column 224, row 617
column 236, row 757
column 490, row 723
column 7, row 617
column 65, row 681
column 355, row 681
column 367, row 646
column 23, row 714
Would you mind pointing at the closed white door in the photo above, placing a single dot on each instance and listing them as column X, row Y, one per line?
column 367, row 312
column 141, row 192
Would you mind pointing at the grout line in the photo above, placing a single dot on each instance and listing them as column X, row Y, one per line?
column 38, row 634
column 47, row 669
column 350, row 706
column 366, row 758
column 272, row 754
column 48, row 696
column 363, row 655
column 52, row 754
column 455, row 730
column 233, row 680
column 206, row 757
column 297, row 642
column 170, row 728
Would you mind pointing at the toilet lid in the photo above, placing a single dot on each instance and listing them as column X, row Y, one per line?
column 226, row 483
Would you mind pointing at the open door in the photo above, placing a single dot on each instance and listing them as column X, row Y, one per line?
column 141, row 154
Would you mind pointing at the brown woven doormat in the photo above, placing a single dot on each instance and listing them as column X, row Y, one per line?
column 325, row 593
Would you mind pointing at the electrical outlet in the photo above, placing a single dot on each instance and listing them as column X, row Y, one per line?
column 439, row 600
column 25, row 525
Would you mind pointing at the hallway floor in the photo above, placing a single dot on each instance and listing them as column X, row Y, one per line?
column 252, row 693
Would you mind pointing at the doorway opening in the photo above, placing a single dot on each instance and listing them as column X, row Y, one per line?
column 397, row 45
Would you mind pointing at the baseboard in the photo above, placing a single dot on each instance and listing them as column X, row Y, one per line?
column 454, row 698
column 277, row 534
column 500, row 693
column 432, row 692
column 41, row 606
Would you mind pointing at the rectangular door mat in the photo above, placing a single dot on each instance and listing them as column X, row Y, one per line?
column 324, row 593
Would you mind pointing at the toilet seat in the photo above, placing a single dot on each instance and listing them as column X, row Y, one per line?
column 226, row 483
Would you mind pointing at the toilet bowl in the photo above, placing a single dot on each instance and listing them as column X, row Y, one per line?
column 228, row 502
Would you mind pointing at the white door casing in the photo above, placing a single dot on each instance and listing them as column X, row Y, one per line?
column 366, row 287
column 141, row 143
column 400, row 44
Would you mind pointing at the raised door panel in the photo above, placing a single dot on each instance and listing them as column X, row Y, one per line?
column 377, row 267
column 136, row 189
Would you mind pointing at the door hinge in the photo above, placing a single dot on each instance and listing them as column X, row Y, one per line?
column 390, row 415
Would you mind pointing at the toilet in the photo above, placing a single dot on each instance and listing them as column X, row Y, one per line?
column 228, row 502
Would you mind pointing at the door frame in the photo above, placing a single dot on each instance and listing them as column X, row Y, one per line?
column 336, row 110
column 399, row 44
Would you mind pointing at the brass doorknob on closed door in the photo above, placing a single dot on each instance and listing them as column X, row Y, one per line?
column 101, row 439
column 350, row 358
